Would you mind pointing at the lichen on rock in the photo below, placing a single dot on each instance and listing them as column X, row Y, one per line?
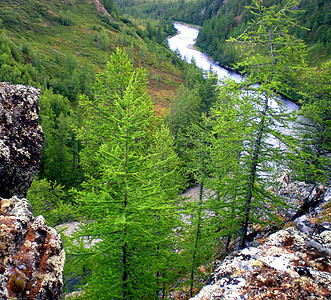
column 293, row 263
column 31, row 253
column 21, row 138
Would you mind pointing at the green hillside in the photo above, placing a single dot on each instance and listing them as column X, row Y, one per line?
column 190, row 11
column 313, row 20
column 129, row 126
column 59, row 47
column 61, row 44
column 221, row 20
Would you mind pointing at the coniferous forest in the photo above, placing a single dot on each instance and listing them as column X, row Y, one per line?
column 130, row 126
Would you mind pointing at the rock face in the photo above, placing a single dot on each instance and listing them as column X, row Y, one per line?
column 21, row 139
column 31, row 253
column 294, row 263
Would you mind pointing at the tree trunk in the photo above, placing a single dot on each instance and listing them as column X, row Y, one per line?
column 252, row 176
column 60, row 158
column 197, row 237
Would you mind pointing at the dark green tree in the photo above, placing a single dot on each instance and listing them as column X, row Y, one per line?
column 60, row 159
column 50, row 200
column 108, row 5
column 202, row 237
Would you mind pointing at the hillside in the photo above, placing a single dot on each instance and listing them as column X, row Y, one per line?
column 59, row 47
column 129, row 127
column 61, row 44
column 221, row 20
column 232, row 19
column 189, row 11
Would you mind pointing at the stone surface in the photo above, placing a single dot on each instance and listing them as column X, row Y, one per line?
column 300, row 197
column 293, row 263
column 21, row 139
column 286, row 266
column 31, row 254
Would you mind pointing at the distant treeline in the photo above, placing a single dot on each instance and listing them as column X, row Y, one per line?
column 314, row 29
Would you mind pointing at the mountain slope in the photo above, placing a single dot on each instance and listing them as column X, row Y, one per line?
column 61, row 44
column 190, row 11
column 314, row 28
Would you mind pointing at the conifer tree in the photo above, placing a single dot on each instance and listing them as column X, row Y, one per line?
column 201, row 236
column 166, row 166
column 59, row 160
column 127, row 198
column 315, row 127
column 246, row 153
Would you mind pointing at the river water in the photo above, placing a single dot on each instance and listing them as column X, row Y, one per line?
column 184, row 41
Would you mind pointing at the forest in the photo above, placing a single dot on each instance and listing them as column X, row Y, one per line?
column 129, row 127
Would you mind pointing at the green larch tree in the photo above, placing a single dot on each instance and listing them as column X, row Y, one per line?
column 315, row 126
column 199, row 229
column 250, row 168
column 127, row 197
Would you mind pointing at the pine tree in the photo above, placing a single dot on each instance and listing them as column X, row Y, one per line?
column 127, row 198
column 166, row 166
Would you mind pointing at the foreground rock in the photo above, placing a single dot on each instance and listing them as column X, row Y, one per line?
column 31, row 254
column 21, row 139
column 294, row 263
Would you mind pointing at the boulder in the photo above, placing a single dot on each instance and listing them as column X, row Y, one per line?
column 31, row 254
column 21, row 139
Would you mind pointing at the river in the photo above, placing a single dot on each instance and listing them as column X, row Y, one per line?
column 184, row 41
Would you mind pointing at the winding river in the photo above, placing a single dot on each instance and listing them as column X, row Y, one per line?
column 184, row 41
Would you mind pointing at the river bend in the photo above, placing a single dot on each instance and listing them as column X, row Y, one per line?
column 183, row 42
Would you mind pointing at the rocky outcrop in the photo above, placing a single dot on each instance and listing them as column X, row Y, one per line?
column 21, row 139
column 286, row 266
column 101, row 8
column 31, row 253
column 293, row 263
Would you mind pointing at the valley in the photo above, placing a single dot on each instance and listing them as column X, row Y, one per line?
column 133, row 120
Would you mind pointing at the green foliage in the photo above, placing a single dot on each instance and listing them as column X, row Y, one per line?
column 202, row 237
column 190, row 11
column 64, row 18
column 197, row 96
column 283, row 59
column 49, row 199
column 160, row 31
column 8, row 15
column 56, row 31
column 13, row 68
column 233, row 19
column 60, row 157
column 234, row 140
column 128, row 197
column 108, row 5
column 315, row 127
column 247, row 126
column 215, row 31
column 185, row 112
